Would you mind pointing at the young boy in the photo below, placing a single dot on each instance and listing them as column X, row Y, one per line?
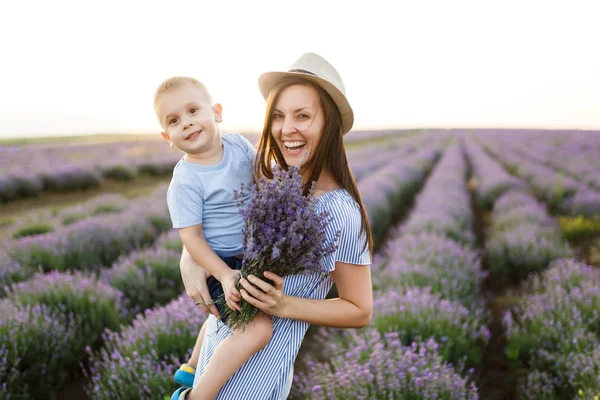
column 201, row 205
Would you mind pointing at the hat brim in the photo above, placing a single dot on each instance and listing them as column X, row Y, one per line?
column 268, row 80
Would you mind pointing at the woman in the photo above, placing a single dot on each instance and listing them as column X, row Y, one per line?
column 307, row 112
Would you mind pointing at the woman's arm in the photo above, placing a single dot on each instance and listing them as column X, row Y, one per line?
column 352, row 309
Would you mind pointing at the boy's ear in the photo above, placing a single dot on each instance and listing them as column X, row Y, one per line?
column 218, row 112
column 166, row 136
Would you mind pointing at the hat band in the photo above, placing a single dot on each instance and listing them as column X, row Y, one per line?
column 303, row 71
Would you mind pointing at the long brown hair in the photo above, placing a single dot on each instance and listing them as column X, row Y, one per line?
column 330, row 153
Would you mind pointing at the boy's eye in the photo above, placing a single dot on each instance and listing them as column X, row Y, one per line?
column 172, row 121
column 194, row 110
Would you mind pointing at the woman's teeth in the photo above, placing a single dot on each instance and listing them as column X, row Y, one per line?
column 294, row 145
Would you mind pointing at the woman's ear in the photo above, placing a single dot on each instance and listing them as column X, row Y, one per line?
column 218, row 112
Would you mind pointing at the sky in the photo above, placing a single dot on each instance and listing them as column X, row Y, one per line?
column 77, row 67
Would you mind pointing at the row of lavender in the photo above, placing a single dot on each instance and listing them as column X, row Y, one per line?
column 39, row 222
column 574, row 152
column 84, row 307
column 87, row 244
column 30, row 170
column 552, row 329
column 567, row 186
column 429, row 322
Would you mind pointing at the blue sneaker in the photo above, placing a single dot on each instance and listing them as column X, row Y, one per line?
column 180, row 393
column 185, row 376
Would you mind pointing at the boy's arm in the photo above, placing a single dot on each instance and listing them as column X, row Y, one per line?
column 194, row 241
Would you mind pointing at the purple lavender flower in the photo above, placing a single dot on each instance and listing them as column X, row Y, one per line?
column 585, row 202
column 428, row 260
column 36, row 349
column 418, row 314
column 139, row 361
column 523, row 237
column 368, row 365
column 491, row 180
column 11, row 271
column 93, row 242
column 443, row 206
column 559, row 314
column 390, row 189
column 96, row 305
column 283, row 232
column 146, row 278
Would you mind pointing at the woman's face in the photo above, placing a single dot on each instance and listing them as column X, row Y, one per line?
column 297, row 122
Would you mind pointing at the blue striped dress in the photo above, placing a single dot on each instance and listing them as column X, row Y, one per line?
column 268, row 374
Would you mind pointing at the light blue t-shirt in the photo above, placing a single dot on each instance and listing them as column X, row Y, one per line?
column 203, row 194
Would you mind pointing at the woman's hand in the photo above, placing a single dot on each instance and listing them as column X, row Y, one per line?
column 264, row 296
column 194, row 280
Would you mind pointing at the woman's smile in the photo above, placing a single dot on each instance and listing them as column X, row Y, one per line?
column 294, row 147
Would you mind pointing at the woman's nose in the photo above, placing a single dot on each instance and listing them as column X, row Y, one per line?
column 288, row 126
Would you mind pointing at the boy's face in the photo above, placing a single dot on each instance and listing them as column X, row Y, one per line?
column 188, row 119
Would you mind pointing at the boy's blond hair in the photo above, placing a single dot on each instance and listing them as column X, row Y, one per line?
column 177, row 82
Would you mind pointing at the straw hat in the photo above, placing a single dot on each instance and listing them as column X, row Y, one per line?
column 314, row 68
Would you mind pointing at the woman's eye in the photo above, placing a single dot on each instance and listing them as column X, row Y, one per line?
column 303, row 116
column 277, row 116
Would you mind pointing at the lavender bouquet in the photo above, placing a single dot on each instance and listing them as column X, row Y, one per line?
column 283, row 233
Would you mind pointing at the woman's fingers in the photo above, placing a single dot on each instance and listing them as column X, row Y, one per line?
column 277, row 280
column 261, row 294
column 251, row 300
column 253, row 290
column 264, row 286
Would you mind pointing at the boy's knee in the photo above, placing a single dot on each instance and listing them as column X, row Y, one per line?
column 264, row 331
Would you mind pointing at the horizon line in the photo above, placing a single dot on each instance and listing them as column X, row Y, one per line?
column 256, row 131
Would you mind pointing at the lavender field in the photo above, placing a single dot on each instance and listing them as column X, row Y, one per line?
column 31, row 170
column 486, row 275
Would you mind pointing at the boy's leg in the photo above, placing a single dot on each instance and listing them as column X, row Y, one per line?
column 230, row 355
column 193, row 361
column 185, row 374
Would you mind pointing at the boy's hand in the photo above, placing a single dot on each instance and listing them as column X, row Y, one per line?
column 194, row 279
column 232, row 295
